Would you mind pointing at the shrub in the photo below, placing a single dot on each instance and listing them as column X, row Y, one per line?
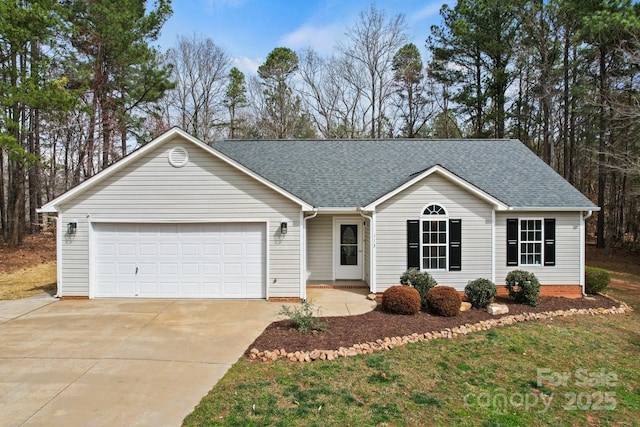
column 523, row 287
column 596, row 279
column 421, row 280
column 480, row 292
column 444, row 301
column 303, row 318
column 401, row 300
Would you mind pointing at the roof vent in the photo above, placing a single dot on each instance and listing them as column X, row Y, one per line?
column 178, row 157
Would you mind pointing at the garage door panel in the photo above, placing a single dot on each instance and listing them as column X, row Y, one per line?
column 168, row 249
column 167, row 269
column 253, row 269
column 148, row 249
column 180, row 260
column 211, row 288
column 192, row 288
column 126, row 288
column 106, row 249
column 126, row 269
column 148, row 288
column 169, row 288
column 191, row 269
column 232, row 249
column 211, row 269
column 190, row 249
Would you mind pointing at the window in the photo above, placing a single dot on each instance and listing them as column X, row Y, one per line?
column 434, row 245
column 434, row 240
column 530, row 242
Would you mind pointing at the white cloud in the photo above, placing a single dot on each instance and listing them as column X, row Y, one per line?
column 248, row 66
column 320, row 39
column 429, row 11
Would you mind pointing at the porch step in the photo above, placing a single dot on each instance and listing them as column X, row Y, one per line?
column 338, row 284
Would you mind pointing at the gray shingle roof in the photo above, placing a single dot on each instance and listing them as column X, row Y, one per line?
column 354, row 173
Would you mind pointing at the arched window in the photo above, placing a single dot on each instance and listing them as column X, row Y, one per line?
column 434, row 241
column 434, row 210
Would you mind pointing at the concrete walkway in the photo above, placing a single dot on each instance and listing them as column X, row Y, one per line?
column 127, row 362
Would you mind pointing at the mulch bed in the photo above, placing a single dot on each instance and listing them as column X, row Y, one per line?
column 345, row 331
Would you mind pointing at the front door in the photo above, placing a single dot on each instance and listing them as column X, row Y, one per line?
column 348, row 238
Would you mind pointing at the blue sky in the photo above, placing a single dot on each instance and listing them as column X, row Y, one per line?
column 249, row 29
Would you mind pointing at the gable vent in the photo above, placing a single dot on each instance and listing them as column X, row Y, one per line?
column 178, row 157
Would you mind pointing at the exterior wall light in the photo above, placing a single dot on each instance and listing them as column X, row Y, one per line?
column 283, row 227
column 72, row 227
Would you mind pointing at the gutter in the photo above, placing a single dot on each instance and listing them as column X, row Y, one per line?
column 583, row 243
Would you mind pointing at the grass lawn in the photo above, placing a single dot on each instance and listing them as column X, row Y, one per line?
column 28, row 281
column 581, row 370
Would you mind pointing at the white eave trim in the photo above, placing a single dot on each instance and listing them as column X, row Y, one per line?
column 498, row 205
column 339, row 210
column 554, row 209
column 53, row 206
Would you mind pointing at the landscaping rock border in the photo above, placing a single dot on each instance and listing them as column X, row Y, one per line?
column 448, row 333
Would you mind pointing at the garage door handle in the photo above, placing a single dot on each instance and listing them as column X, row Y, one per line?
column 136, row 271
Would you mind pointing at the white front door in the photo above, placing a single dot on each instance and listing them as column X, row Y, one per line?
column 348, row 238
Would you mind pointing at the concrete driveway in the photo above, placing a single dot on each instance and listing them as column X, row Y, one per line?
column 120, row 362
column 125, row 362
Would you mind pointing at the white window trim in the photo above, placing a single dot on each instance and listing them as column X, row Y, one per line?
column 541, row 241
column 434, row 217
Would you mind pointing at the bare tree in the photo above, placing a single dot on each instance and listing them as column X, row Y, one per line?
column 200, row 71
column 372, row 43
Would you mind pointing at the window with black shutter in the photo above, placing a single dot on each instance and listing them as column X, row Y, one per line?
column 455, row 245
column 413, row 244
column 512, row 241
column 434, row 242
column 549, row 241
column 531, row 241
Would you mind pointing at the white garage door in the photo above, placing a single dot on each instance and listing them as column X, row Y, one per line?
column 180, row 260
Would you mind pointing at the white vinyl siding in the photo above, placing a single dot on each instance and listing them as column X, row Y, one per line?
column 391, row 236
column 206, row 189
column 320, row 248
column 566, row 270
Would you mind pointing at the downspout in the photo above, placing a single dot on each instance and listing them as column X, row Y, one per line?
column 493, row 245
column 372, row 251
column 58, row 256
column 303, row 275
column 583, row 248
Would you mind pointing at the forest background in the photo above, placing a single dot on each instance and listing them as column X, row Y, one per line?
column 83, row 83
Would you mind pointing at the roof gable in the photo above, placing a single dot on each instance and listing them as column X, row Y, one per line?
column 54, row 205
column 437, row 169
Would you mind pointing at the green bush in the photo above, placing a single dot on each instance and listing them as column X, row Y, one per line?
column 480, row 292
column 401, row 300
column 596, row 280
column 421, row 280
column 303, row 318
column 523, row 287
column 444, row 301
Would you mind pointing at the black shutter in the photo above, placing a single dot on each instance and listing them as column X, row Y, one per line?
column 455, row 245
column 413, row 244
column 549, row 241
column 512, row 241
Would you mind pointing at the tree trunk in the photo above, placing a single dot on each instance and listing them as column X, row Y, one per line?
column 602, row 169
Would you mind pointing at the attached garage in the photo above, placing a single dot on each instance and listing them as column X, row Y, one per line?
column 211, row 260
